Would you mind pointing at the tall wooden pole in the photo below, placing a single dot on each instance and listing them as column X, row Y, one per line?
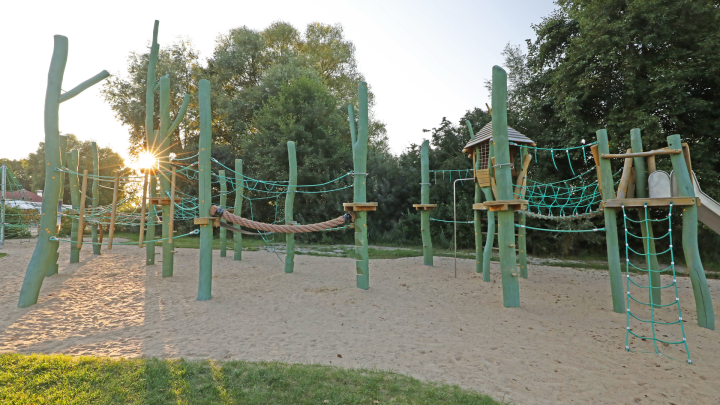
column 641, row 182
column 503, row 178
column 425, row 199
column 95, row 196
column 490, row 241
column 223, row 203
column 611, row 236
column 171, row 217
column 239, row 188
column 143, row 205
column 289, row 202
column 81, row 220
column 362, row 264
column 703, row 300
column 478, row 199
column 522, row 237
column 205, row 191
column 163, row 154
column 75, row 201
column 52, row 268
column 113, row 214
column 151, row 135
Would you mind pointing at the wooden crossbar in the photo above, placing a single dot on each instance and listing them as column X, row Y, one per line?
column 641, row 154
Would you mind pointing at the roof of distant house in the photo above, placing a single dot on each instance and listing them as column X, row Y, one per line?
column 22, row 195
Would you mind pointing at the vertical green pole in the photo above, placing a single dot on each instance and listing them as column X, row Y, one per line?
column 503, row 178
column 490, row 241
column 163, row 154
column 425, row 199
column 645, row 225
column 522, row 237
column 223, row 203
column 239, row 188
column 75, row 232
column 362, row 264
column 476, row 214
column 52, row 268
column 611, row 236
column 703, row 300
column 95, row 197
column 289, row 201
column 205, row 191
column 151, row 141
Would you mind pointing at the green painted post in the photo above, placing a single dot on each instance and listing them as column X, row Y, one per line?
column 476, row 214
column 503, row 179
column 151, row 142
column 223, row 203
column 239, row 188
column 701, row 290
column 647, row 231
column 164, row 169
column 425, row 199
column 289, row 201
column 522, row 237
column 73, row 158
column 52, row 268
column 95, row 197
column 44, row 254
column 490, row 241
column 205, row 191
column 611, row 236
column 362, row 264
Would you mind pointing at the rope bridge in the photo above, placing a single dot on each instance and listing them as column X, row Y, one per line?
column 322, row 226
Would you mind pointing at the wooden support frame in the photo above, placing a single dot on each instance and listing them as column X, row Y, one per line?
column 164, row 200
column 214, row 221
column 640, row 154
column 651, row 202
column 622, row 187
column 360, row 206
column 81, row 223
column 113, row 214
column 521, row 181
column 425, row 207
column 502, row 205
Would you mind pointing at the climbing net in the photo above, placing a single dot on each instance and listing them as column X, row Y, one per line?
column 20, row 214
column 656, row 319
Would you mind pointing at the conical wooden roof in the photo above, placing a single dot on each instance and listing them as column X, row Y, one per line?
column 485, row 135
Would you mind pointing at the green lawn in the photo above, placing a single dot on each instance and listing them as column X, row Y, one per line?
column 3, row 254
column 58, row 379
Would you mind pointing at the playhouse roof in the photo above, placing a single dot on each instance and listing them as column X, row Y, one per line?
column 485, row 134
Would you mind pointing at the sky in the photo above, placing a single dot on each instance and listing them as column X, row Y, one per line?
column 424, row 60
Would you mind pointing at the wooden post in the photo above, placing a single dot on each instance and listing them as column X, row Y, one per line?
column 52, row 267
column 81, row 226
column 289, row 202
column 151, row 139
column 142, row 208
column 205, row 191
column 163, row 154
column 152, row 213
column 641, row 183
column 223, row 203
column 113, row 214
column 478, row 200
column 522, row 237
column 703, row 300
column 44, row 254
column 625, row 178
column 171, row 218
column 490, row 241
column 95, row 196
column 73, row 157
column 239, row 188
column 425, row 199
column 362, row 264
column 611, row 236
column 503, row 178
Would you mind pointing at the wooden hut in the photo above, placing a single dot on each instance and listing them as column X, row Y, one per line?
column 481, row 143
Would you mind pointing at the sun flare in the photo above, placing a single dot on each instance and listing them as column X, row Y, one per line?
column 146, row 160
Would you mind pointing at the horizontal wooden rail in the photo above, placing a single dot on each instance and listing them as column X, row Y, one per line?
column 641, row 154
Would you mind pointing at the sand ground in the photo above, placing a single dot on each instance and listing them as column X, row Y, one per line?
column 564, row 345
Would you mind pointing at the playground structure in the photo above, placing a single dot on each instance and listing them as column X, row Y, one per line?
column 175, row 205
column 492, row 151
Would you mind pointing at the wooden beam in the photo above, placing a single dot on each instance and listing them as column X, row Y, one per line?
column 686, row 154
column 113, row 214
column 522, row 178
column 651, row 165
column 651, row 202
column 622, row 187
column 640, row 154
column 596, row 158
column 142, row 209
column 81, row 223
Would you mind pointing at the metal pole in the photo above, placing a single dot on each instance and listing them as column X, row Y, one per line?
column 2, row 208
column 455, row 220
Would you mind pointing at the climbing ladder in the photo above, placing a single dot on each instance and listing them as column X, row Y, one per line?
column 655, row 318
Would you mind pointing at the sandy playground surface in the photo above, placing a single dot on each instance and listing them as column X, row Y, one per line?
column 563, row 346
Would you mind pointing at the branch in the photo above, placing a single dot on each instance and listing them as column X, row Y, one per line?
column 353, row 137
column 180, row 116
column 82, row 86
column 470, row 128
column 157, row 85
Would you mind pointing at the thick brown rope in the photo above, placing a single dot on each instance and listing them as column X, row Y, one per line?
column 280, row 228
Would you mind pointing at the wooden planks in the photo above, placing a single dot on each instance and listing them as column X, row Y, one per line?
column 360, row 206
column 502, row 205
column 425, row 207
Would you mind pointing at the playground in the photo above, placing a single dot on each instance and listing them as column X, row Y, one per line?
column 563, row 344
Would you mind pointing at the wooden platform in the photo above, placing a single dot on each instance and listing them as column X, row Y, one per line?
column 651, row 202
column 366, row 206
column 214, row 221
column 425, row 207
column 163, row 200
column 502, row 205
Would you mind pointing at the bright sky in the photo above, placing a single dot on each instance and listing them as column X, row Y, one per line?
column 424, row 60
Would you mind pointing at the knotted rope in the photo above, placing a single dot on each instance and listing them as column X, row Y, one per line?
column 219, row 212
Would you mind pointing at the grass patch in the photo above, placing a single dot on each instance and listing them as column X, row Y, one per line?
column 3, row 254
column 52, row 379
